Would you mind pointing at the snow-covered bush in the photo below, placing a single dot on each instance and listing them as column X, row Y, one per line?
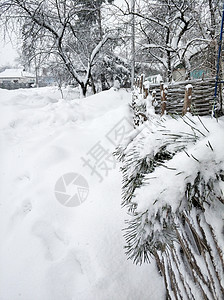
column 112, row 68
column 173, row 184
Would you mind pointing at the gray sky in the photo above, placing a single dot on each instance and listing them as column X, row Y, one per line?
column 8, row 51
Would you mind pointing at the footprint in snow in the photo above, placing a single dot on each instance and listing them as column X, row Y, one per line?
column 53, row 241
column 66, row 278
column 20, row 213
column 22, row 210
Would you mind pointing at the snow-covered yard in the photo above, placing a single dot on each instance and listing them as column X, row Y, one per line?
column 49, row 251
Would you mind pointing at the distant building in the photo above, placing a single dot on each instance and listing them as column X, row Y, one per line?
column 200, row 73
column 154, row 79
column 16, row 78
column 46, row 81
column 179, row 72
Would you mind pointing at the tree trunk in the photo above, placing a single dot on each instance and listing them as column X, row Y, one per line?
column 93, row 84
column 169, row 70
column 214, row 45
column 133, row 44
column 168, row 53
column 103, row 82
column 83, row 90
column 99, row 20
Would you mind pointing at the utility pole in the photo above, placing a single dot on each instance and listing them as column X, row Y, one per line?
column 218, row 106
column 132, row 43
column 36, row 71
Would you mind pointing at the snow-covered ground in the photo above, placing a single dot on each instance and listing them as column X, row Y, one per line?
column 49, row 251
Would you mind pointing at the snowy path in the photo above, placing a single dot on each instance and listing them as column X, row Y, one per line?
column 49, row 251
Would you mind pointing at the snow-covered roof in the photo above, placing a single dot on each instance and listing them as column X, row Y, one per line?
column 15, row 73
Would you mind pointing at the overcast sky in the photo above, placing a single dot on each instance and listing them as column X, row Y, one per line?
column 7, row 54
column 8, row 51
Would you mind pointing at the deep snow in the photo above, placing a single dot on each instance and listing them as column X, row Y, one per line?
column 49, row 251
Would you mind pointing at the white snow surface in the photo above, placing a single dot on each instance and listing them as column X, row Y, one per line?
column 49, row 251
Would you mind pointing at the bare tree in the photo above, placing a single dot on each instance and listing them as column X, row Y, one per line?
column 172, row 32
column 70, row 30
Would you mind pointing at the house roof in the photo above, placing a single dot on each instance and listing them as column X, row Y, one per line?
column 15, row 73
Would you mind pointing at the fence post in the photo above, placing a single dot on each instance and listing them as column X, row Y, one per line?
column 145, row 89
column 153, row 97
column 145, row 92
column 141, row 83
column 187, row 99
column 163, row 94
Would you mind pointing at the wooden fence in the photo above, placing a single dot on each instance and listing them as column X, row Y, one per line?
column 196, row 96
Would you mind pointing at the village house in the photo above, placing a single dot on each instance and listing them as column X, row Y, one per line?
column 16, row 78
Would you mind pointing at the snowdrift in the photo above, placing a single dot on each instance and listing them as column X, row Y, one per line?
column 48, row 250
